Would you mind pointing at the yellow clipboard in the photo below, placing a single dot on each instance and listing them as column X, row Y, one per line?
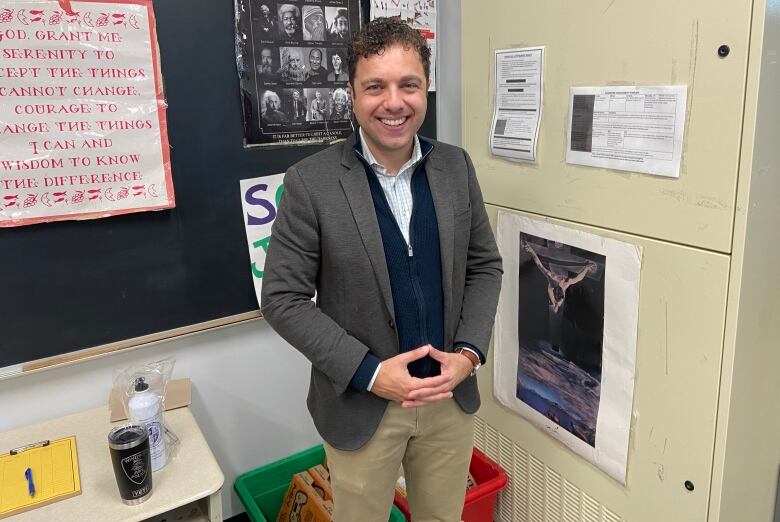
column 55, row 474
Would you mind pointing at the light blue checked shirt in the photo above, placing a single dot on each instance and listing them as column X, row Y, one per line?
column 397, row 187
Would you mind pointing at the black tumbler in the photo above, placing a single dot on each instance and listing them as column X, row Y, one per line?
column 129, row 447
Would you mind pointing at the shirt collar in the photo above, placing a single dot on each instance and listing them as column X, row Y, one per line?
column 366, row 150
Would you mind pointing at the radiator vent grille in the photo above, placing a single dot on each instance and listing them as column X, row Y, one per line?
column 535, row 492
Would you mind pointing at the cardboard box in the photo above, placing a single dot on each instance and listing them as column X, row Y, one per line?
column 321, row 479
column 302, row 503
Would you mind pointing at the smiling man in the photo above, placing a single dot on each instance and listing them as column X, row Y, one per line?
column 290, row 22
column 390, row 230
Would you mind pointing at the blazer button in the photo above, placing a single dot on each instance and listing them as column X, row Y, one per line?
column 391, row 324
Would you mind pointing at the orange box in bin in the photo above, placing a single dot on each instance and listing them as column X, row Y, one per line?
column 480, row 500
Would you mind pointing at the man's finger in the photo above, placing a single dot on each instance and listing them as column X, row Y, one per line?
column 426, row 401
column 423, row 393
column 413, row 355
column 438, row 355
column 430, row 382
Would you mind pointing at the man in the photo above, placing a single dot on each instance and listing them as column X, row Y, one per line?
column 338, row 72
column 272, row 114
column 390, row 230
column 319, row 107
column 340, row 110
column 266, row 67
column 296, row 106
column 339, row 28
column 293, row 69
column 267, row 23
column 290, row 26
column 317, row 73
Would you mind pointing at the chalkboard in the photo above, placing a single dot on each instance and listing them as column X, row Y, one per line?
column 73, row 285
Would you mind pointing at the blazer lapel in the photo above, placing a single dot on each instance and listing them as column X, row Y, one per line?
column 437, row 180
column 355, row 186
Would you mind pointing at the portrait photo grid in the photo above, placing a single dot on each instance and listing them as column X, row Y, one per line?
column 293, row 67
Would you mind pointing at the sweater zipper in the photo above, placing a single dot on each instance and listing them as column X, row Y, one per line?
column 421, row 307
column 411, row 188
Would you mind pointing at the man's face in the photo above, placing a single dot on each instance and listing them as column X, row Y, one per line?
column 317, row 95
column 296, row 95
column 341, row 25
column 266, row 60
column 265, row 11
column 340, row 102
column 336, row 62
column 390, row 99
column 295, row 61
column 315, row 59
column 273, row 103
column 289, row 22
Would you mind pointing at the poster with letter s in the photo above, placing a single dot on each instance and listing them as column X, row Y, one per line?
column 260, row 201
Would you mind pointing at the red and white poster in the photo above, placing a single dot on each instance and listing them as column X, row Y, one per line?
column 82, row 112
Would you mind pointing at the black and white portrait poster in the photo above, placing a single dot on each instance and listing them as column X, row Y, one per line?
column 292, row 64
column 565, row 345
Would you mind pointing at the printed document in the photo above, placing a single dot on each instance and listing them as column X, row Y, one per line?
column 517, row 103
column 639, row 129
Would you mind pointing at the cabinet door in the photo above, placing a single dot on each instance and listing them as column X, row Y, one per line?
column 610, row 42
column 682, row 307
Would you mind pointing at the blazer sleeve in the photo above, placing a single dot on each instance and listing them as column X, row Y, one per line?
column 483, row 273
column 289, row 284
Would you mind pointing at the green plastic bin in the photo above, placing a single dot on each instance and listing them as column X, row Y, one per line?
column 262, row 490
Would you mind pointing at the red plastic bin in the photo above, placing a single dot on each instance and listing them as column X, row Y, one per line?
column 481, row 499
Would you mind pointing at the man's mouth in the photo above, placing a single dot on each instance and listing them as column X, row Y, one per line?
column 394, row 123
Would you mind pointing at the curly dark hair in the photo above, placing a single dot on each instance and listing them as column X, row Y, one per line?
column 381, row 33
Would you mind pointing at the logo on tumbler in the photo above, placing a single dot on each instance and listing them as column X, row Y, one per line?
column 134, row 466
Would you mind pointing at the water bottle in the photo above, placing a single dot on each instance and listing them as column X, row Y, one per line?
column 145, row 408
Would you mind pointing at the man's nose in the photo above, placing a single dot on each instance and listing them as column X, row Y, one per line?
column 393, row 99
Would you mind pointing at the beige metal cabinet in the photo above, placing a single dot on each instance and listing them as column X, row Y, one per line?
column 705, row 435
column 617, row 43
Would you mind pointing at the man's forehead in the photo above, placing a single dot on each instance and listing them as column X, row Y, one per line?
column 383, row 57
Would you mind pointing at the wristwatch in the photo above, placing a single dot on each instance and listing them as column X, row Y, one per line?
column 471, row 356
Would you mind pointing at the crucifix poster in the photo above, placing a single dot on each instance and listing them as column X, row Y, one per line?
column 566, row 335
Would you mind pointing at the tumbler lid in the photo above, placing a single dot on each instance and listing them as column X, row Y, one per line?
column 127, row 436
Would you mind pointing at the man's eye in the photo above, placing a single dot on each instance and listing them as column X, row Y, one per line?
column 410, row 85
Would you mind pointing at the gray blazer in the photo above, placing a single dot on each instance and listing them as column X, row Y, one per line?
column 326, row 239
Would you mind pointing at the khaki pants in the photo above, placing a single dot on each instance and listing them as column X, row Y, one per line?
column 434, row 443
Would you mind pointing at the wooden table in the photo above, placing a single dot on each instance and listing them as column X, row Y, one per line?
column 188, row 488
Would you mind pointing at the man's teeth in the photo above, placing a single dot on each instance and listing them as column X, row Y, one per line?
column 393, row 123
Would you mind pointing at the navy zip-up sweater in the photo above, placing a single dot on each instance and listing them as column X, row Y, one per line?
column 415, row 280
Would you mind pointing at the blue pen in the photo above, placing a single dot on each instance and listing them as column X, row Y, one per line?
column 30, row 484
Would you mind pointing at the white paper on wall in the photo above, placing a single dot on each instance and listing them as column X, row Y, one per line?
column 566, row 329
column 82, row 112
column 638, row 129
column 517, row 103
